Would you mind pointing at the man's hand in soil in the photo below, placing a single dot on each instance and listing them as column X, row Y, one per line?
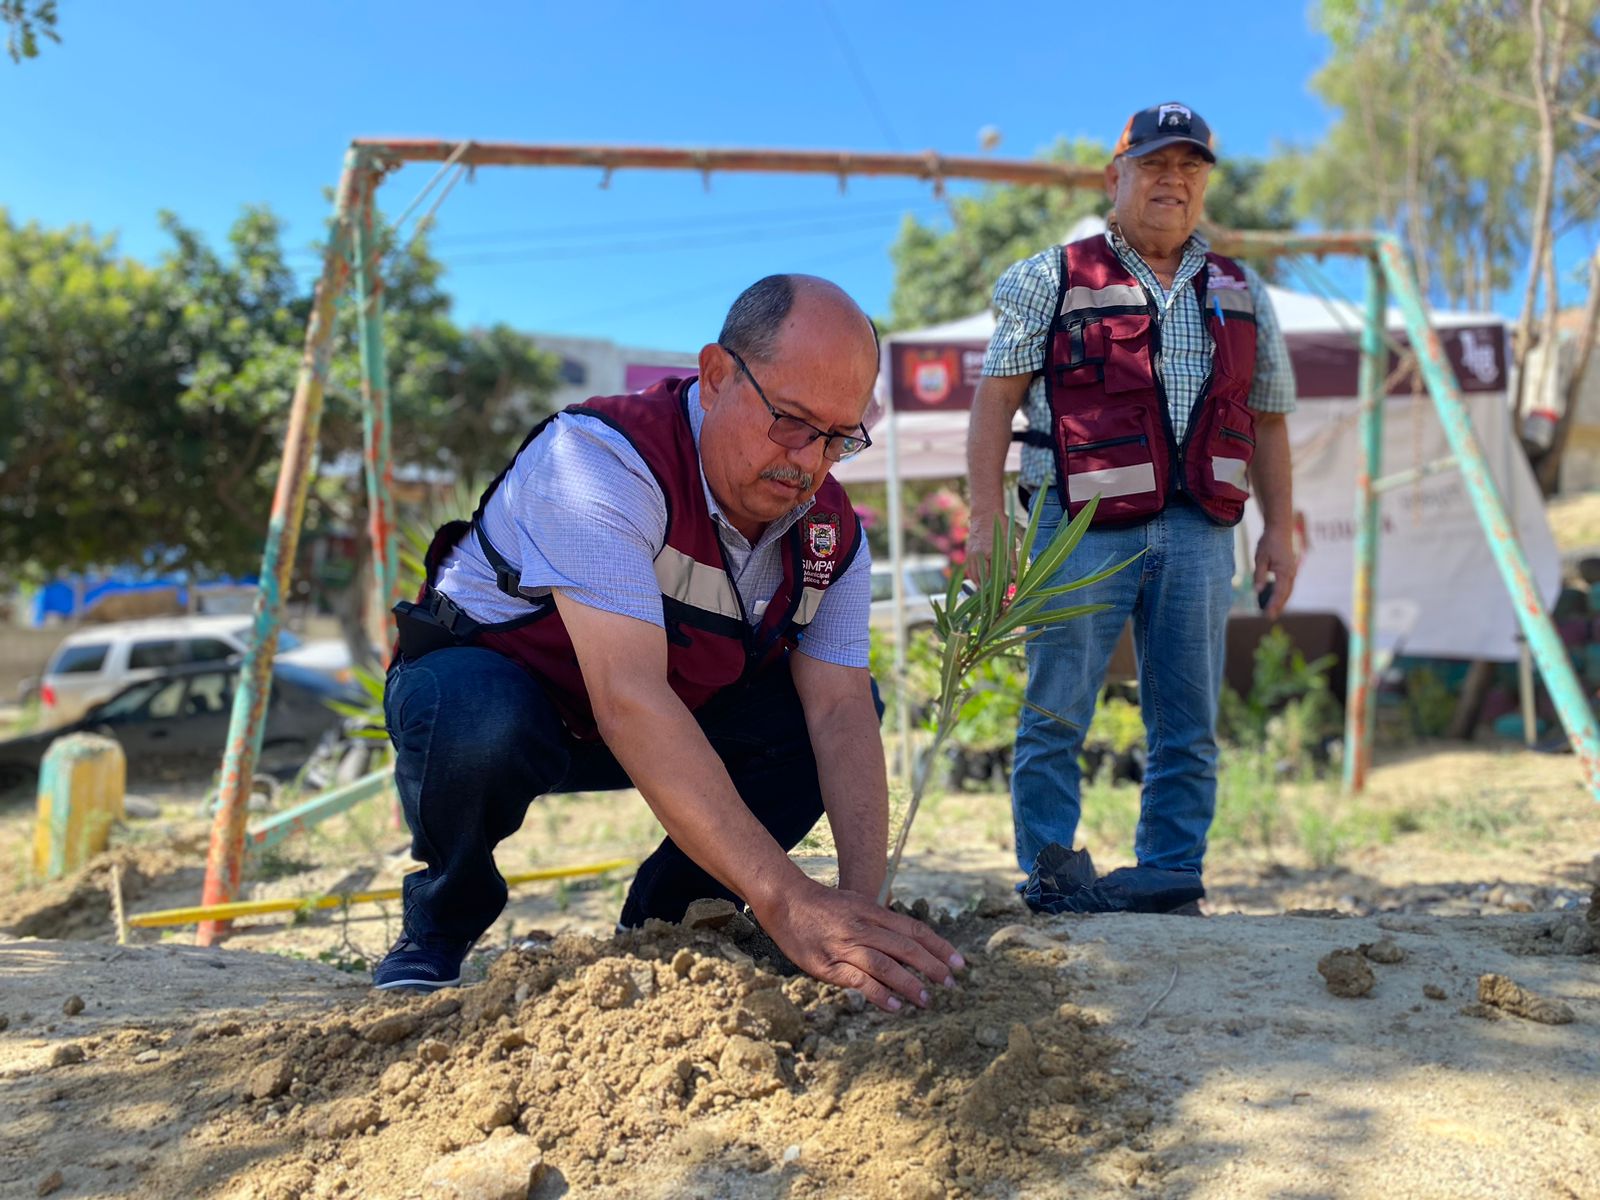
column 851, row 941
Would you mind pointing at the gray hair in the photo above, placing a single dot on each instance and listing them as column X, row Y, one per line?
column 752, row 324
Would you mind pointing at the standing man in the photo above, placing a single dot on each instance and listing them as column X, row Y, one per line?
column 666, row 589
column 1155, row 377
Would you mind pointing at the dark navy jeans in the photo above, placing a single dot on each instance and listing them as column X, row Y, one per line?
column 476, row 740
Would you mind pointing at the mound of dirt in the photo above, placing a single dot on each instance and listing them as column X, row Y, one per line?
column 1079, row 1055
column 670, row 1063
column 79, row 906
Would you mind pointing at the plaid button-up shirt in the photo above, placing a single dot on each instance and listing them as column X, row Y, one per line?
column 1024, row 306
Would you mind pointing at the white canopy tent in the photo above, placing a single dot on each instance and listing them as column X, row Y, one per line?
column 1439, row 593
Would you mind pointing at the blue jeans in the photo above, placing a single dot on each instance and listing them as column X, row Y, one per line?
column 1178, row 595
column 476, row 740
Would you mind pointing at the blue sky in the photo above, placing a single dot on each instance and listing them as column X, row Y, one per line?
column 203, row 107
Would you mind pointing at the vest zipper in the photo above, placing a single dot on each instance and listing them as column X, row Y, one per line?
column 1108, row 442
column 1154, row 309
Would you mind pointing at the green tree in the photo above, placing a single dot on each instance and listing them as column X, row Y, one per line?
column 1471, row 129
column 26, row 22
column 943, row 274
column 142, row 409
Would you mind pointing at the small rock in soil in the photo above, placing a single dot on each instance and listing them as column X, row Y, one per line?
column 397, row 1077
column 1384, row 950
column 991, row 1036
column 766, row 1014
column 750, row 1068
column 1020, row 937
column 919, row 1185
column 1346, row 973
column 1433, row 991
column 610, row 984
column 67, row 1054
column 709, row 914
column 1482, row 1011
column 503, row 1168
column 49, row 1184
column 348, row 1116
column 386, row 1031
column 682, row 961
column 432, row 1050
column 147, row 1056
column 271, row 1079
column 1520, row 1002
column 73, row 1006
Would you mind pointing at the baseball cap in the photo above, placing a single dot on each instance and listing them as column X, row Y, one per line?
column 1165, row 125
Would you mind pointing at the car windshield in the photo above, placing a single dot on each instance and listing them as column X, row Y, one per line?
column 126, row 704
column 79, row 660
column 929, row 581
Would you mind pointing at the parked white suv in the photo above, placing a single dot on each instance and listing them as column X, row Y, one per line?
column 96, row 662
column 925, row 576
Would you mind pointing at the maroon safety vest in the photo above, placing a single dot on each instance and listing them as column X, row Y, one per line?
column 710, row 644
column 1110, row 429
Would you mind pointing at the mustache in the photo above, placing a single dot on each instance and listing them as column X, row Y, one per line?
column 800, row 479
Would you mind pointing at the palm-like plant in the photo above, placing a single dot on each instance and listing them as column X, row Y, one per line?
column 997, row 616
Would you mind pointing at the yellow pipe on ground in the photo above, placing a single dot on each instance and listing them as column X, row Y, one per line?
column 256, row 908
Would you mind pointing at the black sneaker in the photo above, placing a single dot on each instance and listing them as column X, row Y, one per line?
column 412, row 966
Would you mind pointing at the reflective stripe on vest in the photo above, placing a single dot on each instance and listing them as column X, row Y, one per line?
column 696, row 584
column 1111, row 481
column 1077, row 299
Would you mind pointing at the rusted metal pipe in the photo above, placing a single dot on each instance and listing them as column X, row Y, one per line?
column 225, row 855
column 841, row 163
column 368, row 251
column 1278, row 244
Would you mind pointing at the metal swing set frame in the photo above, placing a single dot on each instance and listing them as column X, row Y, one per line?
column 353, row 260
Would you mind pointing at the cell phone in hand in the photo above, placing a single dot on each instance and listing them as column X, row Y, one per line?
column 1264, row 596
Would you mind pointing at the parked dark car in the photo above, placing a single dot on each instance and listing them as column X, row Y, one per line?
column 176, row 725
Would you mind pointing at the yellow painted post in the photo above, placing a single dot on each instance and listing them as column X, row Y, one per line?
column 81, row 785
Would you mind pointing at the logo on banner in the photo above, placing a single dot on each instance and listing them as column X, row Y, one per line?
column 931, row 380
column 1477, row 356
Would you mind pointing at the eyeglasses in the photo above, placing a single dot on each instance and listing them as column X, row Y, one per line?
column 794, row 434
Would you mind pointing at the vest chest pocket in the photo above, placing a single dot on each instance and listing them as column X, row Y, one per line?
column 1081, row 348
column 1128, row 361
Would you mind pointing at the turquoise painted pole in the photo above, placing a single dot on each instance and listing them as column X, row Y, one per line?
column 224, row 858
column 1360, row 709
column 374, row 389
column 1548, row 652
column 303, row 816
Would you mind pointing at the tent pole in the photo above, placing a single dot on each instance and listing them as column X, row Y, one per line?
column 897, row 555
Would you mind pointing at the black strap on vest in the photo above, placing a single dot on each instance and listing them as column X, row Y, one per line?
column 506, row 577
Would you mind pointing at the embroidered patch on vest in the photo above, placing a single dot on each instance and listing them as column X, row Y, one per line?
column 822, row 539
column 1219, row 279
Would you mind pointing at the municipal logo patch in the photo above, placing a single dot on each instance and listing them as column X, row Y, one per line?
column 822, row 535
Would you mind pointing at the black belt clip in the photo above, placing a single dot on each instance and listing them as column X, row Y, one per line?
column 434, row 624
